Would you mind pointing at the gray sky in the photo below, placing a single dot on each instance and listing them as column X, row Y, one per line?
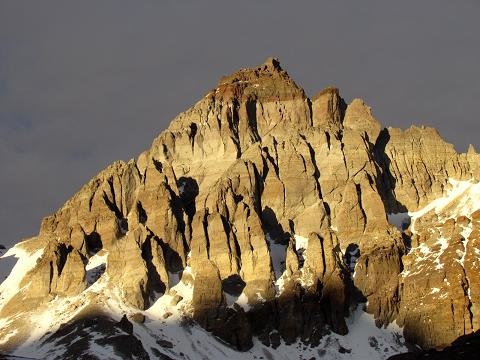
column 85, row 83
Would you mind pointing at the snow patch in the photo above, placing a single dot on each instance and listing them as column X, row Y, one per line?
column 25, row 263
column 96, row 260
column 175, row 302
column 280, row 284
column 301, row 243
column 443, row 243
column 424, row 249
column 103, row 351
column 301, row 247
column 243, row 302
column 278, row 255
column 461, row 199
column 260, row 298
column 230, row 299
column 364, row 341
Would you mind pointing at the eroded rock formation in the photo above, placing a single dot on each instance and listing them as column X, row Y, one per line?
column 278, row 202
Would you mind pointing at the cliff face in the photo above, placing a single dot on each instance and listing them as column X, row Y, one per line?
column 274, row 210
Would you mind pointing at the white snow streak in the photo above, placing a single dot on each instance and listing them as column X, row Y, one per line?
column 461, row 199
column 24, row 264
column 301, row 243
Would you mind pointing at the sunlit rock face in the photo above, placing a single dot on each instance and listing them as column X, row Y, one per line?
column 264, row 217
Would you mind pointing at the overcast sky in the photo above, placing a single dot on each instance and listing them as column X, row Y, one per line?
column 85, row 83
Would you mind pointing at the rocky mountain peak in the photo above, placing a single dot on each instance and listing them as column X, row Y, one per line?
column 267, row 82
column 272, row 62
column 258, row 214
column 329, row 91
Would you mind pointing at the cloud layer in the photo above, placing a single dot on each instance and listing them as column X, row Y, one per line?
column 85, row 83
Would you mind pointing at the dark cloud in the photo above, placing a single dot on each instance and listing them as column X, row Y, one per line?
column 85, row 83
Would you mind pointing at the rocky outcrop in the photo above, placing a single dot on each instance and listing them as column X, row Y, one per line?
column 208, row 297
column 439, row 289
column 127, row 268
column 285, row 197
column 418, row 164
column 376, row 276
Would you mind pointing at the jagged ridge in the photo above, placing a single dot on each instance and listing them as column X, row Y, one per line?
column 265, row 202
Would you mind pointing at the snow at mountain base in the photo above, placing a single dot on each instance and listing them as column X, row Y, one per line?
column 166, row 322
column 11, row 285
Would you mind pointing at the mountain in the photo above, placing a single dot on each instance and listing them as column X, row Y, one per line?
column 260, row 224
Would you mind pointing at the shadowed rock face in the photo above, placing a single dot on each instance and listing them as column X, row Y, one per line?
column 83, row 331
column 464, row 348
column 259, row 183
